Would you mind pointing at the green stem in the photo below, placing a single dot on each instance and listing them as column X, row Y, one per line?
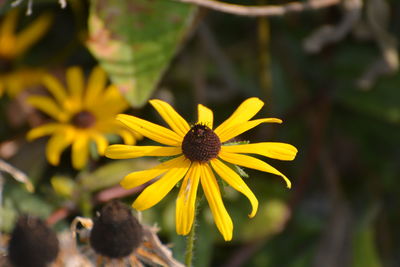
column 190, row 240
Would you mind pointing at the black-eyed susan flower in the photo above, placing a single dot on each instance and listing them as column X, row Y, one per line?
column 198, row 152
column 81, row 115
column 13, row 45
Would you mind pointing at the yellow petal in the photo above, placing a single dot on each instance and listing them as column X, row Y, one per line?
column 101, row 143
column 243, row 113
column 205, row 116
column 159, row 189
column 186, row 201
column 33, row 32
column 80, row 151
column 96, row 83
column 140, row 177
column 174, row 120
column 127, row 136
column 55, row 88
column 253, row 163
column 112, row 100
column 21, row 79
column 151, row 130
column 48, row 106
column 43, row 130
column 213, row 195
column 9, row 23
column 234, row 180
column 237, row 129
column 57, row 143
column 128, row 152
column 273, row 150
column 7, row 34
column 75, row 82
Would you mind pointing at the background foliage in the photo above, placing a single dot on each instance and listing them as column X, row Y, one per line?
column 343, row 209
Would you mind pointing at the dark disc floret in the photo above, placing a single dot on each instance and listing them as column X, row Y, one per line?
column 83, row 119
column 32, row 243
column 116, row 232
column 6, row 65
column 201, row 144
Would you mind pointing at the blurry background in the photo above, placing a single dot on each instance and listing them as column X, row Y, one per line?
column 330, row 73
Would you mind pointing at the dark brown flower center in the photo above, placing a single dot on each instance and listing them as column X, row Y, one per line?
column 83, row 119
column 6, row 65
column 201, row 144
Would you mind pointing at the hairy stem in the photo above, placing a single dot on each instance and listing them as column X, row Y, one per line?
column 190, row 239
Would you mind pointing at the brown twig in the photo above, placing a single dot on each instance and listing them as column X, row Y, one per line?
column 117, row 192
column 267, row 10
column 17, row 175
column 328, row 34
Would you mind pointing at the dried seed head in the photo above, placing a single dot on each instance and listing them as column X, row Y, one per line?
column 201, row 144
column 83, row 119
column 116, row 232
column 32, row 243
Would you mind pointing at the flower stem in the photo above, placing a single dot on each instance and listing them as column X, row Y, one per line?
column 190, row 239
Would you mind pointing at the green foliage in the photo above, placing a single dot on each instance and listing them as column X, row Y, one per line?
column 325, row 116
column 365, row 253
column 19, row 201
column 111, row 174
column 136, row 40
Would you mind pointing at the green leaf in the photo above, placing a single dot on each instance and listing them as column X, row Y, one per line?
column 112, row 173
column 18, row 201
column 63, row 186
column 364, row 250
column 270, row 220
column 136, row 40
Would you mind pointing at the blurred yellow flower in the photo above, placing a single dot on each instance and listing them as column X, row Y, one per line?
column 198, row 152
column 80, row 115
column 13, row 45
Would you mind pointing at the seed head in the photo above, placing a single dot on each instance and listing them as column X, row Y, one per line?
column 116, row 232
column 32, row 243
column 201, row 144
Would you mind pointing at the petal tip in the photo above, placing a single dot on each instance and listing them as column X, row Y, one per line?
column 108, row 152
column 228, row 238
column 135, row 206
column 124, row 184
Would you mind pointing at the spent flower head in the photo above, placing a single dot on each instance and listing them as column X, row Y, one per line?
column 32, row 243
column 198, row 153
column 80, row 115
column 116, row 233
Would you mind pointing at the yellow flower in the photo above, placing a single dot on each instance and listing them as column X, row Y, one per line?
column 199, row 152
column 81, row 115
column 14, row 45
